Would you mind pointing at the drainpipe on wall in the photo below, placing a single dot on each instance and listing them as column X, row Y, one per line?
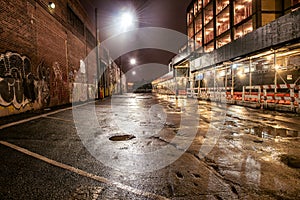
column 97, row 54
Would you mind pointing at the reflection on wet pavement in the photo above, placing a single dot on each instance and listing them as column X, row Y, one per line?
column 237, row 153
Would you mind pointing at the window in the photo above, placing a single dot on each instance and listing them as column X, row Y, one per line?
column 191, row 31
column 209, row 47
column 198, row 39
column 199, row 5
column 275, row 5
column 223, row 22
column 198, row 23
column 268, row 17
column 190, row 17
column 205, row 2
column 221, row 4
column 223, row 40
column 208, row 14
column 243, row 29
column 242, row 10
column 91, row 40
column 75, row 21
column 209, row 32
column 196, row 8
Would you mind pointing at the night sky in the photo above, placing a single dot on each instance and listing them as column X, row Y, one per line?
column 169, row 14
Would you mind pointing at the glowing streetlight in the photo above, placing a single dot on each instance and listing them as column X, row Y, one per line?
column 132, row 61
column 126, row 20
column 51, row 5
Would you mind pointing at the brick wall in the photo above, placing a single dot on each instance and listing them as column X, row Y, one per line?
column 40, row 53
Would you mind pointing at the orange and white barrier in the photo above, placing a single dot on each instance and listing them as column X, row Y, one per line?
column 259, row 95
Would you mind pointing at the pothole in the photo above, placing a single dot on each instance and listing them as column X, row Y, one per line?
column 179, row 175
column 196, row 175
column 122, row 137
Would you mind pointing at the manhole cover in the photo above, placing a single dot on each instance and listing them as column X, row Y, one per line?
column 121, row 137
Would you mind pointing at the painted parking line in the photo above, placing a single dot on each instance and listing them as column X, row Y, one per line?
column 40, row 116
column 83, row 173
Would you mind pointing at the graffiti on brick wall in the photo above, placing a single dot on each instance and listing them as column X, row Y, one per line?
column 18, row 85
column 43, row 84
column 58, row 84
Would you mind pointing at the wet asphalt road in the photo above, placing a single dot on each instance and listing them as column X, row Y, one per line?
column 142, row 146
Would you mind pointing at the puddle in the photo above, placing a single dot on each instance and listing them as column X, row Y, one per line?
column 291, row 160
column 122, row 137
column 271, row 132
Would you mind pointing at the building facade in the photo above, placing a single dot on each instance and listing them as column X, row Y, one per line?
column 243, row 52
column 214, row 23
column 47, row 55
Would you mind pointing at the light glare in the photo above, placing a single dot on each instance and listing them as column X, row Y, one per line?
column 51, row 5
column 132, row 61
column 126, row 20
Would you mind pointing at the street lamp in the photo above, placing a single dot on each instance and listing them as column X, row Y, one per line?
column 126, row 20
column 51, row 5
column 132, row 61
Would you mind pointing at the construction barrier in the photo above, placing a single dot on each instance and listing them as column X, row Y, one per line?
column 285, row 97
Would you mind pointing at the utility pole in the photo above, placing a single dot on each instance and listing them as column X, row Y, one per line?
column 121, row 75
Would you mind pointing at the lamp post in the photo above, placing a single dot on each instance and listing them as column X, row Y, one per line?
column 126, row 22
column 97, row 54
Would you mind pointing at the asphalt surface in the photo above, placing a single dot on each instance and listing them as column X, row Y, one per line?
column 143, row 146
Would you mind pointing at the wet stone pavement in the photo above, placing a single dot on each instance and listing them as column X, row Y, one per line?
column 144, row 146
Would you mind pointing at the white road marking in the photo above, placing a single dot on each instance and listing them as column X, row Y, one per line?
column 58, row 118
column 83, row 173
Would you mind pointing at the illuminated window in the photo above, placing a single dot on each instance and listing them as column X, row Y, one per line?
column 198, row 23
column 243, row 29
column 191, row 31
column 208, row 14
column 209, row 32
column 196, row 8
column 199, row 5
column 268, row 17
column 287, row 59
column 198, row 39
column 267, row 5
column 242, row 10
column 209, row 47
column 190, row 17
column 223, row 40
column 223, row 22
column 221, row 4
column 205, row 2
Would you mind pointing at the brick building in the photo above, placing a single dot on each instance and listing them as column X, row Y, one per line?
column 43, row 48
